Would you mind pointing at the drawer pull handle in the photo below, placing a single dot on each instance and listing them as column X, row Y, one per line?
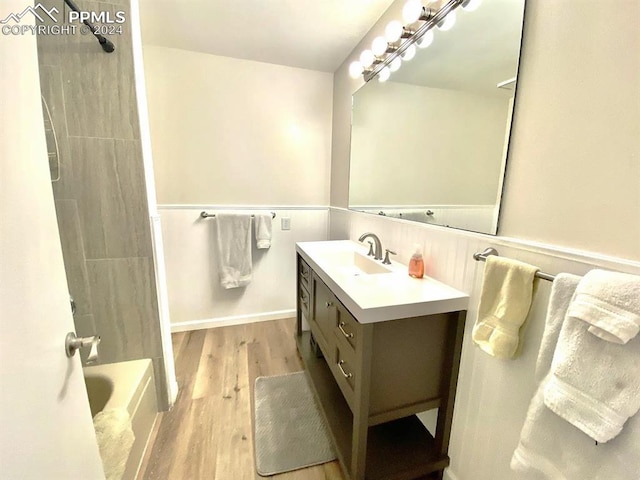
column 328, row 304
column 346, row 334
column 346, row 375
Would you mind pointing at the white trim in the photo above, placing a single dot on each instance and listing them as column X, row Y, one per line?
column 570, row 254
column 228, row 321
column 181, row 206
column 154, row 218
column 449, row 475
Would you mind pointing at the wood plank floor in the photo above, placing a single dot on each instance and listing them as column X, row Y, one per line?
column 209, row 432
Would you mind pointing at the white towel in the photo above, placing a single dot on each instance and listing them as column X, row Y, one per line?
column 551, row 448
column 234, row 249
column 505, row 300
column 610, row 302
column 115, row 438
column 595, row 383
column 263, row 230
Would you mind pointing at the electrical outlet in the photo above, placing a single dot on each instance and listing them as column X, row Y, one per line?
column 285, row 223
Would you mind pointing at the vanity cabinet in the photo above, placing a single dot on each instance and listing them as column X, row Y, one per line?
column 372, row 378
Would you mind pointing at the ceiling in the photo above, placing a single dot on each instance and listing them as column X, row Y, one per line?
column 316, row 35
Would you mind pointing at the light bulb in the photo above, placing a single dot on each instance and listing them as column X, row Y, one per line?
column 395, row 64
column 384, row 74
column 412, row 11
column 425, row 40
column 409, row 53
column 448, row 22
column 379, row 46
column 393, row 32
column 471, row 5
column 367, row 58
column 355, row 69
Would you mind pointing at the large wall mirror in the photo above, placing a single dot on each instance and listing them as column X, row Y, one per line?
column 430, row 144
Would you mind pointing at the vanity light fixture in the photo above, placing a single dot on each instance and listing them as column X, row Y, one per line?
column 400, row 41
column 447, row 22
column 367, row 58
column 409, row 53
column 395, row 64
column 393, row 31
column 470, row 5
column 414, row 11
column 384, row 74
column 425, row 40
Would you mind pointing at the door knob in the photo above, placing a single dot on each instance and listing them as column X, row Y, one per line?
column 72, row 343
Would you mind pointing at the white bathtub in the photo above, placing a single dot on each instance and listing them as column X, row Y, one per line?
column 127, row 385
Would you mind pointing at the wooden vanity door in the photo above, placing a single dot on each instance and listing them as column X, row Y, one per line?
column 324, row 314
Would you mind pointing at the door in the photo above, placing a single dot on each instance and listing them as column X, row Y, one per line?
column 47, row 431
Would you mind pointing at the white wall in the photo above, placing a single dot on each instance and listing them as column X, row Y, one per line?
column 228, row 131
column 572, row 201
column 409, row 147
column 196, row 299
column 232, row 133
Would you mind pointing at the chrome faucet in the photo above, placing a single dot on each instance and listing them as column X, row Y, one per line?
column 378, row 250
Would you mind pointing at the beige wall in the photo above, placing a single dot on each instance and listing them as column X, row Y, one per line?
column 573, row 174
column 227, row 131
column 460, row 163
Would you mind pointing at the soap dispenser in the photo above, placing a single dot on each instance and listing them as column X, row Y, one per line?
column 416, row 264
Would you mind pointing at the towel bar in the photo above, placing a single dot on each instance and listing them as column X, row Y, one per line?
column 482, row 257
column 211, row 215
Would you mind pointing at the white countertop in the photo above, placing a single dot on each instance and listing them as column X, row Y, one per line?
column 380, row 296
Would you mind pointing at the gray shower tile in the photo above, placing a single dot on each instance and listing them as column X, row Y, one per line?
column 73, row 254
column 50, row 46
column 125, row 308
column 51, row 90
column 100, row 86
column 111, row 194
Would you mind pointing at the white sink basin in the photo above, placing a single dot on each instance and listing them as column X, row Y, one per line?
column 374, row 292
column 354, row 263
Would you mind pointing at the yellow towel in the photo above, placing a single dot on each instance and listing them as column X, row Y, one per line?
column 505, row 300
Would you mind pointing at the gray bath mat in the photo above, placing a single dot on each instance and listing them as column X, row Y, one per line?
column 290, row 432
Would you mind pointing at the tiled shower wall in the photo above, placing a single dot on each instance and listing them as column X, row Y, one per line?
column 100, row 197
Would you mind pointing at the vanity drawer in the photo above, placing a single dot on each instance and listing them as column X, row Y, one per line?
column 346, row 326
column 304, row 272
column 323, row 312
column 305, row 300
column 345, row 372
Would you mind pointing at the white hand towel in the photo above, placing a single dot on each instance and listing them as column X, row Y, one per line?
column 115, row 438
column 610, row 302
column 505, row 300
column 551, row 448
column 595, row 384
column 263, row 230
column 234, row 249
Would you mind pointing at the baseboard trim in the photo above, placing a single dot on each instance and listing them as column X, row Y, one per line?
column 448, row 475
column 228, row 321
